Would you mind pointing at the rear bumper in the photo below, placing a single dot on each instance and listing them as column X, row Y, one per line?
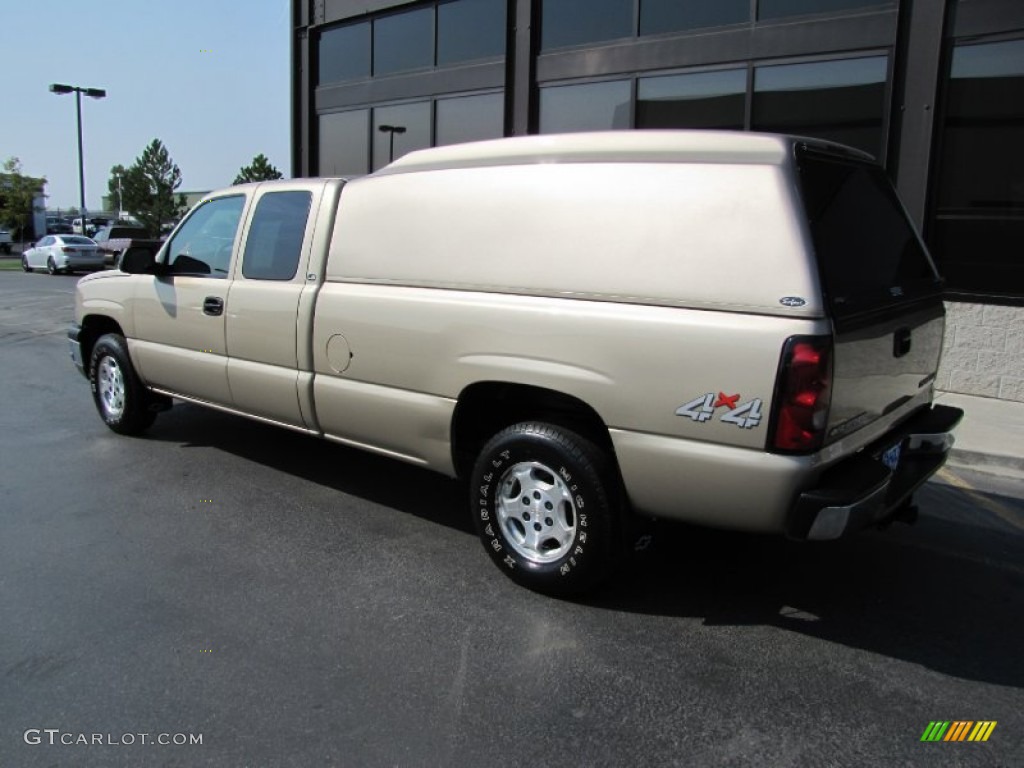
column 862, row 491
column 87, row 263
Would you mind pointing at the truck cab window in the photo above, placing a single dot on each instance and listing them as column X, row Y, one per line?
column 203, row 244
column 274, row 243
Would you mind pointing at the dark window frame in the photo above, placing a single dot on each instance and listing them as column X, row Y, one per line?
column 462, row 95
column 887, row 87
column 750, row 66
column 315, row 148
column 463, row 62
column 993, row 295
column 869, row 6
column 371, row 22
column 429, row 101
column 752, row 4
column 628, row 79
column 740, row 66
column 404, row 10
column 318, row 75
column 588, row 44
column 369, row 107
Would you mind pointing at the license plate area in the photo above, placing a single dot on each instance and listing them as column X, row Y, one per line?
column 890, row 457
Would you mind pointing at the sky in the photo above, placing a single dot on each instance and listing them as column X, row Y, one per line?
column 209, row 78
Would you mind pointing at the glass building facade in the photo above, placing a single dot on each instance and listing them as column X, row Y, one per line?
column 932, row 88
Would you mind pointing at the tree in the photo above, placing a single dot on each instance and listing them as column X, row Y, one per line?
column 147, row 188
column 113, row 192
column 259, row 170
column 18, row 194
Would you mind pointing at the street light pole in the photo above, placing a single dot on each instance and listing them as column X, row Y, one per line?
column 81, row 161
column 97, row 93
column 391, row 129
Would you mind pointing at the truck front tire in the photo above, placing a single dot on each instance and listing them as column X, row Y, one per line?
column 121, row 399
column 542, row 509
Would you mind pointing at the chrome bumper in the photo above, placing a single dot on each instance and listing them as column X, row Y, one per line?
column 862, row 490
column 76, row 349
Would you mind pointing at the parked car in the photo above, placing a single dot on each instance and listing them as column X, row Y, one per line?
column 59, row 228
column 734, row 330
column 91, row 225
column 63, row 253
column 97, row 223
column 5, row 241
column 115, row 238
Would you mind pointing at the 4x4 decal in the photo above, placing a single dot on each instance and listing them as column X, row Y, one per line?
column 744, row 415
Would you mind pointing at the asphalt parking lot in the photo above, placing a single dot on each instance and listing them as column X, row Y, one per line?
column 296, row 603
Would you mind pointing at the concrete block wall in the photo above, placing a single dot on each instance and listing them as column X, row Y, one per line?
column 983, row 351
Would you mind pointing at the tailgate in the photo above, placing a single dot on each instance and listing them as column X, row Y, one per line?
column 883, row 365
column 881, row 287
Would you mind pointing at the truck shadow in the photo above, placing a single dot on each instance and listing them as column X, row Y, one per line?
column 367, row 476
column 945, row 593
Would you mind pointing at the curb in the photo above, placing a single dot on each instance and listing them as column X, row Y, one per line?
column 992, row 463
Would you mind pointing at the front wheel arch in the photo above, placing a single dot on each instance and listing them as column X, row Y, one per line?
column 93, row 327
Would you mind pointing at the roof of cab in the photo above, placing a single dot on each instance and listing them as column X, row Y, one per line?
column 647, row 146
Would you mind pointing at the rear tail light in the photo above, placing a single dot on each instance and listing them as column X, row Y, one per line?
column 69, row 249
column 802, row 395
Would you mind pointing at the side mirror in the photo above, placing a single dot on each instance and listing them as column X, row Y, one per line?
column 137, row 260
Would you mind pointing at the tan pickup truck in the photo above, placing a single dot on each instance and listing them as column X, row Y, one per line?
column 731, row 329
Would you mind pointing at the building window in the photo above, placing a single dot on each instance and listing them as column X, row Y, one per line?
column 345, row 143
column 658, row 16
column 403, row 41
column 841, row 101
column 575, row 22
column 698, row 100
column 979, row 224
column 413, row 118
column 776, row 9
column 470, row 29
column 344, row 53
column 470, row 118
column 589, row 107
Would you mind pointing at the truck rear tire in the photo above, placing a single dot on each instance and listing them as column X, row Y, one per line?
column 121, row 399
column 542, row 509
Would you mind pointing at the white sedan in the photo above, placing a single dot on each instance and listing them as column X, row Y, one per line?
column 63, row 253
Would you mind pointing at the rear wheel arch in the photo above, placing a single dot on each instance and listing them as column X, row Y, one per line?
column 485, row 408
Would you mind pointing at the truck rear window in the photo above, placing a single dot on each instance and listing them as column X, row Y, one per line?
column 868, row 253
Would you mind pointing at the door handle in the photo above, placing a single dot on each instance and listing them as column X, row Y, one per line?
column 213, row 305
column 901, row 342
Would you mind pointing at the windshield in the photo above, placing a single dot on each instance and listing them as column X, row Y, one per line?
column 868, row 253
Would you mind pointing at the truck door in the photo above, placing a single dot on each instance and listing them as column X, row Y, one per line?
column 179, row 342
column 263, row 305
